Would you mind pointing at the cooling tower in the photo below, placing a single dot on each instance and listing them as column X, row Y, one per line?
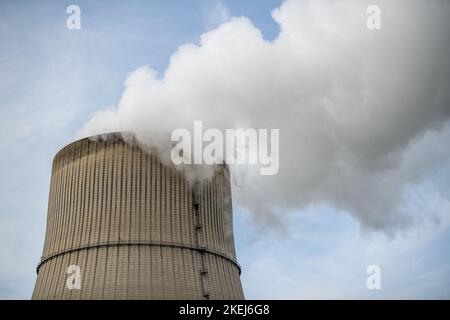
column 135, row 229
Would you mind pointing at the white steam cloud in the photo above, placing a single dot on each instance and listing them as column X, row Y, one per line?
column 357, row 109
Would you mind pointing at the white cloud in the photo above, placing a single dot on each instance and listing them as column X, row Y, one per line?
column 353, row 106
column 217, row 14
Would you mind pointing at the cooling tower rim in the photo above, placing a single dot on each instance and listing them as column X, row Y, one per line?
column 124, row 136
column 110, row 136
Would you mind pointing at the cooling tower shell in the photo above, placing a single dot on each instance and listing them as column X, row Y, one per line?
column 137, row 229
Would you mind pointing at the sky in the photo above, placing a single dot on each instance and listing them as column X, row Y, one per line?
column 396, row 149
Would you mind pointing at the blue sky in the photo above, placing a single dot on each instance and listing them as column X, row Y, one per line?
column 53, row 79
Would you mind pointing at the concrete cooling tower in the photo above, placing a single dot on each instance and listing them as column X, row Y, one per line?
column 121, row 225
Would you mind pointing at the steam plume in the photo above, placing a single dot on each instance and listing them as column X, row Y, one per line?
column 356, row 109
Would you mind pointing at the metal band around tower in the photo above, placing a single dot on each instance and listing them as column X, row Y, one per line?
column 138, row 243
